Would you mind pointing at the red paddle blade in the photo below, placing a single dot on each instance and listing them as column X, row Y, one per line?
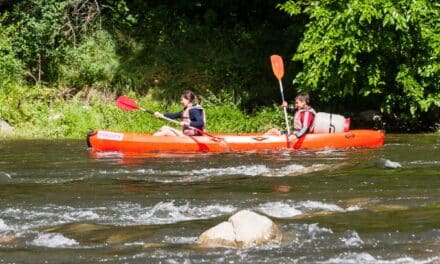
column 277, row 66
column 126, row 103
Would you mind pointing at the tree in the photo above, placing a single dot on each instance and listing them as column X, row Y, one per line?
column 383, row 49
column 11, row 68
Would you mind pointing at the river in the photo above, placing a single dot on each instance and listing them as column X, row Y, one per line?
column 61, row 203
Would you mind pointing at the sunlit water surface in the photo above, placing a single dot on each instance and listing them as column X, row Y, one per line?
column 61, row 203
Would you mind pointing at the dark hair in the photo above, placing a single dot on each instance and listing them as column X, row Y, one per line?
column 304, row 97
column 188, row 95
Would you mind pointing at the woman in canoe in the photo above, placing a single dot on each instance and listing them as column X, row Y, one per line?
column 192, row 115
column 303, row 119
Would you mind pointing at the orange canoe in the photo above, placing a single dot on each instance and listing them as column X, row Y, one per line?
column 102, row 140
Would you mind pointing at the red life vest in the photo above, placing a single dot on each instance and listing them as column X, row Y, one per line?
column 304, row 117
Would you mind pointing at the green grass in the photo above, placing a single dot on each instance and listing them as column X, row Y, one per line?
column 46, row 113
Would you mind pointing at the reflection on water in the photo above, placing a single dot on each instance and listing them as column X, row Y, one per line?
column 332, row 206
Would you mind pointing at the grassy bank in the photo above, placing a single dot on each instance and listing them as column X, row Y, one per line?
column 61, row 113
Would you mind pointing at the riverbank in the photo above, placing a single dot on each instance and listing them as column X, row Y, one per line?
column 62, row 113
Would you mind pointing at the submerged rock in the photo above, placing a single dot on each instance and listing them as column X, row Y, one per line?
column 86, row 233
column 364, row 203
column 314, row 214
column 242, row 230
column 75, row 228
column 7, row 239
column 155, row 245
column 7, row 236
column 358, row 202
column 388, row 207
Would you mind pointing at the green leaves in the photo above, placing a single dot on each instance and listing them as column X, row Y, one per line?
column 93, row 63
column 11, row 68
column 362, row 48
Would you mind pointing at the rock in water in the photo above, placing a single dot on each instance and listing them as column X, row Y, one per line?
column 392, row 164
column 221, row 235
column 388, row 164
column 243, row 230
column 5, row 128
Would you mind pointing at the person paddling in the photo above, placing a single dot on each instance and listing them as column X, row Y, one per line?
column 303, row 119
column 193, row 116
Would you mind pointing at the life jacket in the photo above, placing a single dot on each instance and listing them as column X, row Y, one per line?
column 298, row 119
column 186, row 118
column 200, row 108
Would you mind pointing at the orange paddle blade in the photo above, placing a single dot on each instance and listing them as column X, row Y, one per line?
column 126, row 103
column 277, row 66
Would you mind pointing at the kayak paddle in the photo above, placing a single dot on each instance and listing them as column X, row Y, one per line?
column 128, row 104
column 278, row 70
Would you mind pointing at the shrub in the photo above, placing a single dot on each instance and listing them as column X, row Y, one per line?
column 92, row 64
column 11, row 68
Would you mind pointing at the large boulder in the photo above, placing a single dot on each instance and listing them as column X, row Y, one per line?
column 242, row 230
column 5, row 128
column 221, row 235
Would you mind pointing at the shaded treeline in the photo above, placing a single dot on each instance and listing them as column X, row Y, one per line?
column 219, row 48
column 351, row 56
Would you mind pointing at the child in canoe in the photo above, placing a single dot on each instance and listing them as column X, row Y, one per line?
column 303, row 119
column 192, row 115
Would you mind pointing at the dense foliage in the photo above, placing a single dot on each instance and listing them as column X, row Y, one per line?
column 351, row 56
column 44, row 113
column 386, row 52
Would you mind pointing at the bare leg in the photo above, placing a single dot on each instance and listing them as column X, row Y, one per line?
column 168, row 131
column 273, row 132
column 189, row 132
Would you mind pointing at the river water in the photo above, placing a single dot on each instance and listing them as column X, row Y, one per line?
column 61, row 203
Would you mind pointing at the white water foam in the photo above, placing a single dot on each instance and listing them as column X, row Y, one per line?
column 179, row 240
column 352, row 240
column 251, row 170
column 109, row 155
column 170, row 212
column 355, row 258
column 290, row 169
column 353, row 208
column 53, row 241
column 279, row 209
column 315, row 205
column 3, row 226
column 248, row 170
column 5, row 175
column 164, row 212
column 118, row 214
column 126, row 171
column 315, row 230
column 203, row 173
column 425, row 162
column 332, row 154
column 49, row 215
column 290, row 208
